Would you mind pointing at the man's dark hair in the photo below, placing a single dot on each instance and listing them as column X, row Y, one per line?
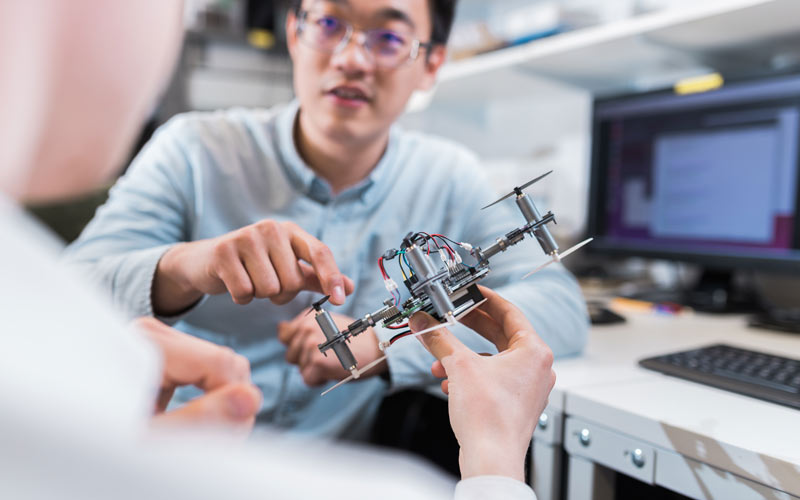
column 442, row 14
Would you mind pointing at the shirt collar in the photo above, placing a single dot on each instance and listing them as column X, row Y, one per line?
column 300, row 175
column 308, row 182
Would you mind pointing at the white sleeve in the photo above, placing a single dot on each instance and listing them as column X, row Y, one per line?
column 493, row 487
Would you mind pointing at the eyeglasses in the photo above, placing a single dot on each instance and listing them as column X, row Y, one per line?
column 330, row 34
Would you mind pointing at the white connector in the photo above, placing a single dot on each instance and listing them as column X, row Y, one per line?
column 466, row 246
column 390, row 285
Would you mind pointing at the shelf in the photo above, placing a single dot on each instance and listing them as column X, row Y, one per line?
column 641, row 53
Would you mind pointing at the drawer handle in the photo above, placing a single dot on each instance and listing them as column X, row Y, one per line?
column 543, row 421
column 637, row 457
column 585, row 437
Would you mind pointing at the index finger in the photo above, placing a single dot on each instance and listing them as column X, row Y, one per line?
column 190, row 360
column 321, row 259
column 234, row 406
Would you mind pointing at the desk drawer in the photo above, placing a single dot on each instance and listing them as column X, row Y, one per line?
column 614, row 450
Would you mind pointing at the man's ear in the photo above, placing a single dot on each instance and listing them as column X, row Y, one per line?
column 291, row 33
column 435, row 57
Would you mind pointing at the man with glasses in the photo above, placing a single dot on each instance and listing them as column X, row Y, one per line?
column 221, row 210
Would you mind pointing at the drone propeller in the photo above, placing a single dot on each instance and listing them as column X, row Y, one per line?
column 451, row 320
column 557, row 257
column 317, row 306
column 518, row 190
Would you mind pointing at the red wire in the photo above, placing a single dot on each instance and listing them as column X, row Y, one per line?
column 430, row 238
column 446, row 245
column 427, row 244
column 451, row 252
column 383, row 271
column 386, row 277
column 397, row 327
column 392, row 341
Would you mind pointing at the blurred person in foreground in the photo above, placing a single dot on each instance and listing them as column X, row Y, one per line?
column 79, row 388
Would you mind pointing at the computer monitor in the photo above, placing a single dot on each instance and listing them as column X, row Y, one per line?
column 710, row 178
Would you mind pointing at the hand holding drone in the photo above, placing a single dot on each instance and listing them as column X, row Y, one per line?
column 445, row 292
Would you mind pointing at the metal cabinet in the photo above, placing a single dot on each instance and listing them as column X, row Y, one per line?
column 611, row 449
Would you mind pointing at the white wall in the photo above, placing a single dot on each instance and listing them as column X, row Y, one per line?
column 520, row 139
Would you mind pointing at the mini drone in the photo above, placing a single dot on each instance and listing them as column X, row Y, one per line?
column 446, row 291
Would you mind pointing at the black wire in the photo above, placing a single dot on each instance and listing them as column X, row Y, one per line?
column 433, row 239
column 448, row 239
column 402, row 270
column 399, row 335
column 427, row 238
column 444, row 240
column 417, row 236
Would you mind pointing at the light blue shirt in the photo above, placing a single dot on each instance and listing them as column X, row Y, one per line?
column 206, row 174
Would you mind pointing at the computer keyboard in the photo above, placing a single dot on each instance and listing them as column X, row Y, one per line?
column 764, row 376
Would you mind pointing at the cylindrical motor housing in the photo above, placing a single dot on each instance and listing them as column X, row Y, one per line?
column 528, row 209
column 439, row 299
column 331, row 331
column 425, row 269
column 531, row 214
column 546, row 240
column 420, row 262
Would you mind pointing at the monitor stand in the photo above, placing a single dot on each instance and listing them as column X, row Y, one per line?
column 715, row 292
column 783, row 320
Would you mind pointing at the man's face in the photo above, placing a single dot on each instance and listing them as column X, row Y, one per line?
column 352, row 93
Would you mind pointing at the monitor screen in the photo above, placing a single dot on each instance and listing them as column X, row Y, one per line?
column 710, row 177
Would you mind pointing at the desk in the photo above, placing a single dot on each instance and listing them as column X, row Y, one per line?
column 610, row 415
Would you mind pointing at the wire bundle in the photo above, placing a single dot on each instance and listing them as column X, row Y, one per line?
column 391, row 286
column 449, row 256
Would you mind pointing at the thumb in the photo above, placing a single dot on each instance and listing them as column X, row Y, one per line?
column 349, row 285
column 440, row 342
column 232, row 404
